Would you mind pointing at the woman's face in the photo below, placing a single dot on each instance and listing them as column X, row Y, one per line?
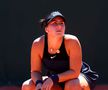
column 56, row 27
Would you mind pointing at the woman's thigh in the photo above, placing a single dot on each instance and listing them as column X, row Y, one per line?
column 79, row 83
column 55, row 86
column 83, row 82
column 74, row 84
column 28, row 85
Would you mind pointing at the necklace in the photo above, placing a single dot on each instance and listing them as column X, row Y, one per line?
column 56, row 51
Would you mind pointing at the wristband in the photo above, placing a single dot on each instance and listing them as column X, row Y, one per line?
column 38, row 81
column 54, row 78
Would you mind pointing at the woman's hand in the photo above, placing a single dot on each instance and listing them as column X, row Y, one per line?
column 47, row 85
column 39, row 86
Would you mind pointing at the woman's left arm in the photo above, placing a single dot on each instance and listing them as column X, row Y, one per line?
column 75, row 59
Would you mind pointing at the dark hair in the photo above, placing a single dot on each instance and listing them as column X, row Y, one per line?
column 44, row 21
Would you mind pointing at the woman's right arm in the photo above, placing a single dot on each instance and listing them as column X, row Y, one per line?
column 36, row 61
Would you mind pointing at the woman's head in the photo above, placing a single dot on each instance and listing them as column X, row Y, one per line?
column 45, row 21
column 54, row 23
column 56, row 26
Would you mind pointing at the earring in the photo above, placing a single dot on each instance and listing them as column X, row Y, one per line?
column 46, row 31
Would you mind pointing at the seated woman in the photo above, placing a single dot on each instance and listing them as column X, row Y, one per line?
column 56, row 59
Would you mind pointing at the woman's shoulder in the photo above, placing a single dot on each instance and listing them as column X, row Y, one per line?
column 69, row 37
column 38, row 45
column 71, row 42
column 38, row 42
column 39, row 39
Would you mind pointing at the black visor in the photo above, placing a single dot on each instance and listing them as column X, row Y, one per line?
column 44, row 22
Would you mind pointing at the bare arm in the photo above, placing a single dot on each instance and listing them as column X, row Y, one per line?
column 75, row 60
column 36, row 61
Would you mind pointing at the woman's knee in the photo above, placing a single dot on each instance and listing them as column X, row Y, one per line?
column 56, row 87
column 73, row 84
column 77, row 84
column 83, row 82
column 28, row 85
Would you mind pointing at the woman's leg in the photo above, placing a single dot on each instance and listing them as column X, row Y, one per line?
column 77, row 84
column 83, row 82
column 56, row 87
column 28, row 85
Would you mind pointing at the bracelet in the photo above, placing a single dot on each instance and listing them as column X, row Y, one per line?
column 38, row 81
column 54, row 78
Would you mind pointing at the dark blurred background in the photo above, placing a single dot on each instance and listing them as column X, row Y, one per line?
column 19, row 26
